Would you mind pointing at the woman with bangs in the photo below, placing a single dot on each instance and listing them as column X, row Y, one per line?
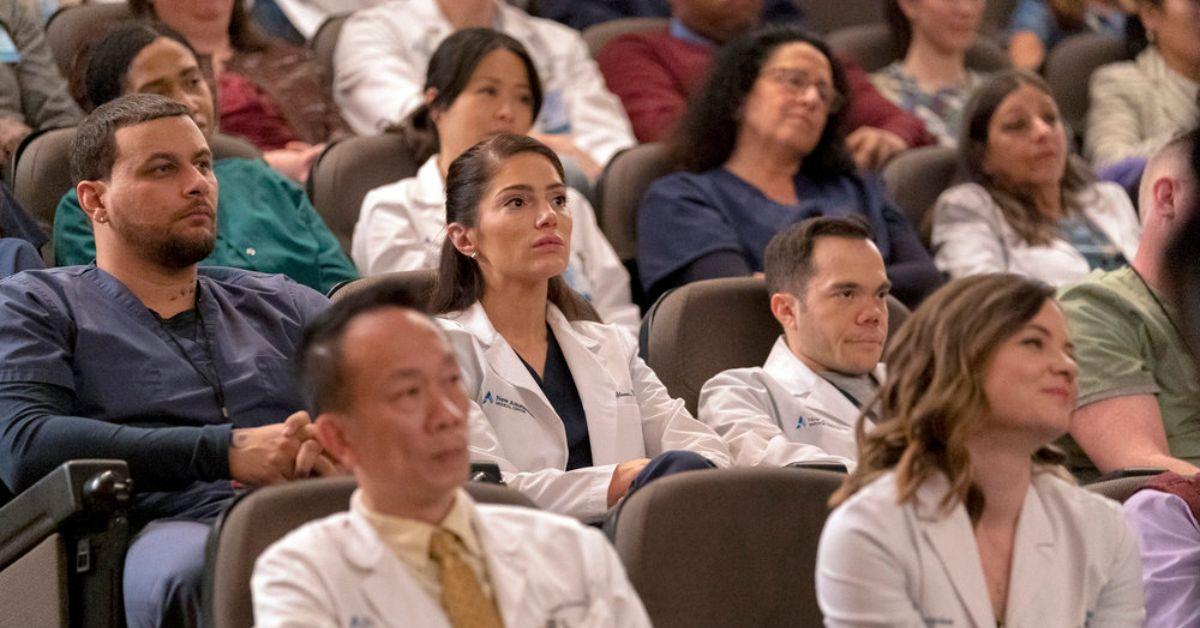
column 959, row 512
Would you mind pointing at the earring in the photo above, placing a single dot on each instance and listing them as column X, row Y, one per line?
column 474, row 254
column 101, row 219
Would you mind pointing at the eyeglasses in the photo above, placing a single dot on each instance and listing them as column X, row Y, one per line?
column 797, row 82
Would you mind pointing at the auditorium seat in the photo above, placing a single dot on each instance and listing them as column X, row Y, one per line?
column 323, row 45
column 1069, row 67
column 1123, row 483
column 736, row 547
column 915, row 178
column 346, row 170
column 263, row 516
column 873, row 47
column 824, row 16
column 71, row 28
column 687, row 336
column 416, row 284
column 619, row 191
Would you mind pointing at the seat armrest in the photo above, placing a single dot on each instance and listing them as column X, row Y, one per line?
column 75, row 490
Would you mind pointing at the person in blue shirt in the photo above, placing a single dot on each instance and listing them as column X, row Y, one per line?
column 143, row 356
column 580, row 14
column 1037, row 26
column 267, row 222
column 761, row 148
column 20, row 237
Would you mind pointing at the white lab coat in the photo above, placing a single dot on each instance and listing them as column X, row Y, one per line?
column 402, row 226
column 629, row 412
column 971, row 236
column 383, row 53
column 545, row 570
column 308, row 15
column 781, row 413
column 1074, row 563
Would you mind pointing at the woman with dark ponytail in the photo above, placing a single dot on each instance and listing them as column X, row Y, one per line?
column 562, row 402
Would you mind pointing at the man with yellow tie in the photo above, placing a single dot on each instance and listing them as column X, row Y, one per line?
column 414, row 549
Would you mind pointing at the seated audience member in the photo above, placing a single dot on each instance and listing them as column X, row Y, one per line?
column 17, row 255
column 419, row 552
column 33, row 95
column 1037, row 26
column 1135, row 107
column 267, row 223
column 1139, row 397
column 1029, row 209
column 580, row 14
column 761, row 148
column 297, row 21
column 269, row 91
column 656, row 72
column 480, row 83
column 15, row 222
column 381, row 59
column 144, row 357
column 958, row 513
column 1164, row 515
column 932, row 79
column 828, row 289
column 561, row 402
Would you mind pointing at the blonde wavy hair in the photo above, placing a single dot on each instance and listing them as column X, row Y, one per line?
column 933, row 399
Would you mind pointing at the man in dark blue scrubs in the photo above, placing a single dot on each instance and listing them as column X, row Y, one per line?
column 141, row 356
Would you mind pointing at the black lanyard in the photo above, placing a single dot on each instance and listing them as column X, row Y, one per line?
column 214, row 382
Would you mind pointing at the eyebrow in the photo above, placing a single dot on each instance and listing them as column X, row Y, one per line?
column 522, row 187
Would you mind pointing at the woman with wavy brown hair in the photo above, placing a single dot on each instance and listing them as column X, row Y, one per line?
column 959, row 513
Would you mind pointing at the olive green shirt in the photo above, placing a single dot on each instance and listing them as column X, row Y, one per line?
column 1126, row 344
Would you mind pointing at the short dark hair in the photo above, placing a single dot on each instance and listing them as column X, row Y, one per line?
column 318, row 364
column 899, row 26
column 94, row 147
column 708, row 132
column 787, row 262
column 455, row 60
column 460, row 282
column 110, row 58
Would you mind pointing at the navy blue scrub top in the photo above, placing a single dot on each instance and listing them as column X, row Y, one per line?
column 78, row 334
column 558, row 385
column 686, row 216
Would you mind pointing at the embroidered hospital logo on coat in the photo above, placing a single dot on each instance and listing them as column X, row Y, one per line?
column 503, row 402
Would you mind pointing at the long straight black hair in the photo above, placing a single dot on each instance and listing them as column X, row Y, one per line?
column 460, row 282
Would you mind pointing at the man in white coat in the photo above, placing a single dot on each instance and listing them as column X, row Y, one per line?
column 414, row 550
column 828, row 287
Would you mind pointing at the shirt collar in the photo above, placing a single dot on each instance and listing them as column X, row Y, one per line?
column 681, row 32
column 410, row 537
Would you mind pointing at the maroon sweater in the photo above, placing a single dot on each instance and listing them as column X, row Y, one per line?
column 654, row 74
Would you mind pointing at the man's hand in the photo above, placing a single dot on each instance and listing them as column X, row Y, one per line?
column 270, row 454
column 622, row 477
column 871, row 147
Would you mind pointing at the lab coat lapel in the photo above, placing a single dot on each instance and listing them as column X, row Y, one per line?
column 1033, row 554
column 597, row 390
column 504, row 364
column 808, row 388
column 506, row 569
column 952, row 539
column 387, row 585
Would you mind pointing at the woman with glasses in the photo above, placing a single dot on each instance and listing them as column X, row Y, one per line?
column 760, row 148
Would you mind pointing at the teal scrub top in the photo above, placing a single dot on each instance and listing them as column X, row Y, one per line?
column 265, row 223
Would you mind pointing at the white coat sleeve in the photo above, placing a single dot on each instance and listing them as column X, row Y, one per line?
column 385, row 238
column 1121, row 603
column 966, row 239
column 738, row 407
column 288, row 591
column 1114, row 125
column 599, row 125
column 377, row 80
column 607, row 276
column 614, row 601
column 666, row 422
column 579, row 493
column 861, row 581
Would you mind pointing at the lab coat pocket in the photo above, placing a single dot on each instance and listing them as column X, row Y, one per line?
column 630, row 434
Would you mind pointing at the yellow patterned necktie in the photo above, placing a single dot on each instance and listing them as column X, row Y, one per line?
column 462, row 597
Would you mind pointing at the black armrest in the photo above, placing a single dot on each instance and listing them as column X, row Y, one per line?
column 76, row 489
column 836, row 467
column 488, row 472
column 1128, row 472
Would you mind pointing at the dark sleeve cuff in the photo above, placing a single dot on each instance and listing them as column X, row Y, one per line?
column 210, row 460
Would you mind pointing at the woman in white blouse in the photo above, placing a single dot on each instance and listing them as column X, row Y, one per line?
column 1030, row 208
column 958, row 513
column 480, row 83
